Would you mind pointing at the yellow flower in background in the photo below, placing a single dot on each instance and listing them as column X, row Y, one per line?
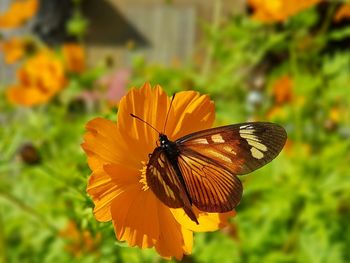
column 277, row 112
column 19, row 12
column 335, row 114
column 40, row 78
column 74, row 57
column 342, row 13
column 282, row 90
column 13, row 49
column 118, row 154
column 278, row 10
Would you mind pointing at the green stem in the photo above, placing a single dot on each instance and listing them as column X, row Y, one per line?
column 17, row 202
column 2, row 242
column 54, row 176
column 327, row 22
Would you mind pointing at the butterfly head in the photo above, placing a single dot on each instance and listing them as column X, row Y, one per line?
column 163, row 139
column 170, row 148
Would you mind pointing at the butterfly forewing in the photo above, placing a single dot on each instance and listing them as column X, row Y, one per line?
column 239, row 148
column 211, row 187
column 162, row 179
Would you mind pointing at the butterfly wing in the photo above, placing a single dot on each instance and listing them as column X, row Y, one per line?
column 212, row 188
column 239, row 148
column 209, row 161
column 163, row 179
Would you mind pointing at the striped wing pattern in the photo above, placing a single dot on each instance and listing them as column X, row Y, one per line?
column 165, row 183
column 212, row 188
column 239, row 148
column 207, row 164
column 162, row 179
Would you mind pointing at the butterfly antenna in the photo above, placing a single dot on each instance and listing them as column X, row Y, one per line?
column 136, row 117
column 167, row 115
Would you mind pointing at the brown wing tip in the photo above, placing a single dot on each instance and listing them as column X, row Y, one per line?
column 191, row 215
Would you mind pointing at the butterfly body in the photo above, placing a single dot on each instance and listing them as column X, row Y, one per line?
column 171, row 151
column 201, row 168
column 170, row 148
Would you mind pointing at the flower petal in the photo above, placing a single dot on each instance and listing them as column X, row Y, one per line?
column 103, row 145
column 171, row 241
column 191, row 112
column 150, row 105
column 102, row 191
column 207, row 221
column 135, row 217
column 106, row 184
column 141, row 220
column 188, row 240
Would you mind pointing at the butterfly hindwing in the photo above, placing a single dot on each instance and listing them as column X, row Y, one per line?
column 240, row 148
column 211, row 187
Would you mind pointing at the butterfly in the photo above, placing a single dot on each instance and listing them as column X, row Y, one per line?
column 201, row 168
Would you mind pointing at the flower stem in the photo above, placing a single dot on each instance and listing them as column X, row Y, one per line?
column 17, row 202
column 2, row 242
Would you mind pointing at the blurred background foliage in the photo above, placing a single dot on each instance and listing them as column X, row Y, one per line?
column 288, row 64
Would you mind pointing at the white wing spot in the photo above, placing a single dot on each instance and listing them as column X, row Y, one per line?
column 247, row 133
column 249, row 137
column 245, row 126
column 258, row 145
column 256, row 153
column 217, row 138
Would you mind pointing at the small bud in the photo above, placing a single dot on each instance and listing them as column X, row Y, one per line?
column 29, row 154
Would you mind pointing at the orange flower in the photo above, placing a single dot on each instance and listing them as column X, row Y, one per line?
column 282, row 90
column 117, row 155
column 278, row 10
column 342, row 13
column 74, row 57
column 79, row 241
column 18, row 13
column 40, row 78
column 13, row 49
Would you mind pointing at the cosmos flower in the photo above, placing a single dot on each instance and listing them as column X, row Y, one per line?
column 278, row 10
column 13, row 49
column 118, row 154
column 18, row 13
column 282, row 90
column 282, row 93
column 79, row 241
column 39, row 79
column 342, row 13
column 74, row 57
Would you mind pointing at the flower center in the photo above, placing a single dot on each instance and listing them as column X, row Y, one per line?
column 143, row 179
